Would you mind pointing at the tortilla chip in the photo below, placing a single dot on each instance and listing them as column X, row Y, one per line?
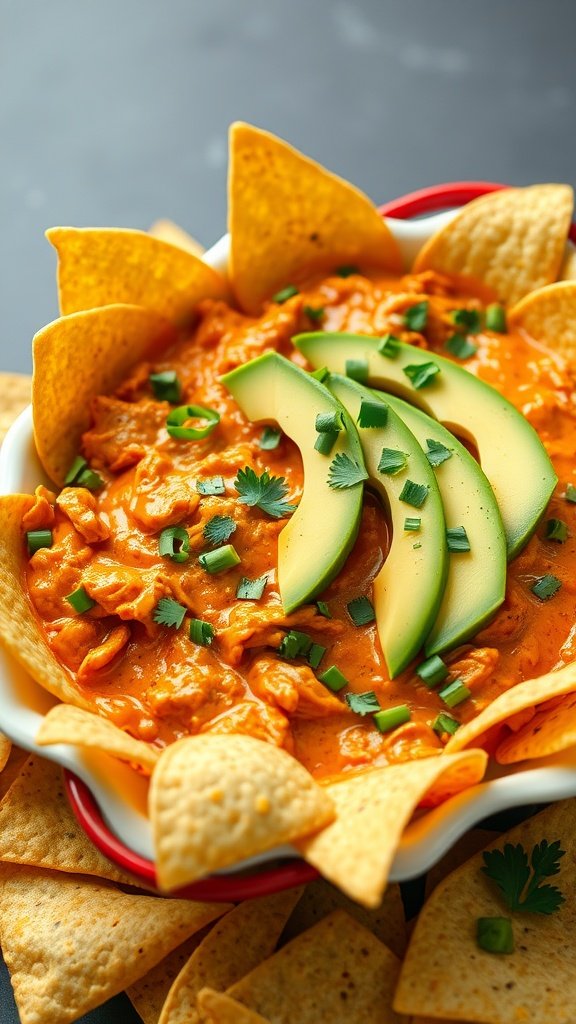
column 524, row 695
column 5, row 748
column 218, row 1008
column 15, row 390
column 335, row 971
column 549, row 315
column 12, row 769
column 236, row 944
column 148, row 994
column 550, row 731
column 513, row 240
column 71, row 944
column 387, row 923
column 77, row 358
column 445, row 973
column 67, row 724
column 167, row 231
column 372, row 810
column 288, row 217
column 106, row 266
column 216, row 799
column 37, row 827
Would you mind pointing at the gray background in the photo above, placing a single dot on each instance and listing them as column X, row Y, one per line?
column 115, row 112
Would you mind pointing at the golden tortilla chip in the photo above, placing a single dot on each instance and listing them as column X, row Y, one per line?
column 215, row 799
column 464, row 848
column 70, row 944
column 524, row 695
column 335, row 971
column 356, row 851
column 445, row 973
column 513, row 240
column 106, row 266
column 288, row 217
column 148, row 994
column 387, row 923
column 12, row 769
column 549, row 315
column 167, row 231
column 5, row 749
column 77, row 358
column 15, row 389
column 236, row 944
column 218, row 1008
column 568, row 269
column 67, row 724
column 550, row 731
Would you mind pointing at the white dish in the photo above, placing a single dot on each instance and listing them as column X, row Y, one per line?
column 121, row 795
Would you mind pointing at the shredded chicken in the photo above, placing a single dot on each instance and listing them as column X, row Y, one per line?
column 250, row 626
column 73, row 639
column 193, row 686
column 81, row 506
column 292, row 687
column 475, row 666
column 55, row 572
column 101, row 656
column 126, row 591
column 411, row 741
column 122, row 431
column 254, row 719
column 41, row 515
column 161, row 497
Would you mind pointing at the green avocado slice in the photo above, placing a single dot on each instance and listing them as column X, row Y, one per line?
column 511, row 454
column 316, row 541
column 476, row 583
column 409, row 587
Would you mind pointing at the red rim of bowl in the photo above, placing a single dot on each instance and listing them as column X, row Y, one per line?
column 294, row 871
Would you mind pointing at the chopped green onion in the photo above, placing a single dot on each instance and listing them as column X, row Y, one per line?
column 495, row 935
column 357, row 369
column 454, row 693
column 496, row 318
column 414, row 494
column 320, row 374
column 80, row 601
column 333, row 679
column 179, row 416
column 270, row 438
column 389, row 346
column 220, row 559
column 459, row 347
column 251, row 590
column 432, row 671
column 468, row 320
column 166, row 386
column 457, row 539
column 391, row 718
column 213, row 485
column 437, row 452
column 329, row 422
column 324, row 609
column 361, row 611
column 392, row 461
column 570, row 494
column 219, row 529
column 325, row 441
column 201, row 633
column 418, row 545
column 373, row 413
column 315, row 312
column 169, row 613
column 556, row 529
column 315, row 655
column 546, row 586
column 445, row 723
column 421, row 374
column 285, row 293
column 412, row 525
column 75, row 469
column 416, row 317
column 37, row 539
column 363, row 703
column 295, row 644
column 80, row 475
column 347, row 270
column 174, row 543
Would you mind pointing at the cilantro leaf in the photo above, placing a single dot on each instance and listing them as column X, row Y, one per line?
column 267, row 492
column 219, row 529
column 345, row 472
column 510, row 870
column 169, row 613
column 363, row 703
column 520, row 882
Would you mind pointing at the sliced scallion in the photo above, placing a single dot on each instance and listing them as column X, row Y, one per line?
column 220, row 559
column 495, row 935
column 315, row 655
column 333, row 679
column 556, row 529
column 414, row 494
column 457, row 539
column 80, row 601
column 496, row 318
column 416, row 317
column 454, row 693
column 174, row 543
column 178, row 417
column 285, row 293
column 357, row 369
column 412, row 524
column 468, row 321
column 36, row 539
column 166, row 386
column 389, row 346
column 201, row 633
column 459, row 347
column 445, row 723
column 421, row 375
column 324, row 609
column 325, row 441
column 373, row 413
column 432, row 671
column 391, row 718
column 329, row 422
column 361, row 611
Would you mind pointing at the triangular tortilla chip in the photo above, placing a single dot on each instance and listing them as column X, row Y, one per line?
column 12, row 769
column 355, row 852
column 549, row 732
column 445, row 973
column 216, row 799
column 170, row 232
column 218, row 1008
column 67, row 724
column 70, row 944
column 549, row 315
column 148, row 994
column 106, row 266
column 288, row 216
column 236, row 944
column 15, row 389
column 76, row 358
column 512, row 240
column 335, row 971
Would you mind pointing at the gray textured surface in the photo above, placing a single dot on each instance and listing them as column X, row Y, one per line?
column 116, row 111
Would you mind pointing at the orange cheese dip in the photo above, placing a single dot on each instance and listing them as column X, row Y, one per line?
column 155, row 682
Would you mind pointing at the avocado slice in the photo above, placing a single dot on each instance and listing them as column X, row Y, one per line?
column 316, row 541
column 409, row 587
column 476, row 583
column 511, row 453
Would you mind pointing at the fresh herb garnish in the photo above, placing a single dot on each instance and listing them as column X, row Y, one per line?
column 219, row 560
column 80, row 475
column 496, row 318
column 437, row 452
column 361, row 611
column 333, row 679
column 520, row 882
column 412, row 524
column 345, row 472
column 495, row 935
column 80, row 601
column 201, row 633
column 265, row 491
column 325, row 441
column 174, row 543
column 315, row 655
column 454, row 693
column 315, row 313
column 432, row 671
column 166, row 386
column 457, row 539
column 392, row 461
column 219, row 529
column 270, row 438
column 363, row 703
column 469, row 321
column 347, row 270
column 414, row 494
column 329, row 422
column 556, row 529
column 418, row 545
column 416, row 317
column 546, row 586
column 373, row 413
column 324, row 609
column 251, row 590
column 169, row 613
column 295, row 644
column 445, row 723
column 36, row 539
column 421, row 374
column 389, row 346
column 460, row 347
column 391, row 718
column 178, row 417
column 212, row 485
column 285, row 293
column 570, row 494
column 357, row 369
